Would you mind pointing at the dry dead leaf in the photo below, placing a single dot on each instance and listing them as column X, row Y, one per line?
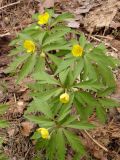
column 73, row 24
column 20, row 107
column 83, row 9
column 99, row 154
column 11, row 132
column 101, row 16
column 16, row 108
column 27, row 128
column 115, row 25
column 46, row 4
column 116, row 95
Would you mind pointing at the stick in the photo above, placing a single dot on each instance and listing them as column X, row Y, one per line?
column 11, row 4
column 104, row 148
column 1, row 2
column 107, row 44
column 3, row 35
column 99, row 36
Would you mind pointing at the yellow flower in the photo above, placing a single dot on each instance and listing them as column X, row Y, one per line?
column 64, row 98
column 44, row 133
column 29, row 46
column 43, row 18
column 77, row 50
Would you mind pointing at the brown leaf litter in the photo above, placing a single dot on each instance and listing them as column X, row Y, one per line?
column 106, row 136
column 101, row 16
column 27, row 128
column 17, row 143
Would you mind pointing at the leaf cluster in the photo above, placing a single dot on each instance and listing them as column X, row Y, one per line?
column 88, row 80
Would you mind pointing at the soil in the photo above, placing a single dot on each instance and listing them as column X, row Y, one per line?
column 17, row 143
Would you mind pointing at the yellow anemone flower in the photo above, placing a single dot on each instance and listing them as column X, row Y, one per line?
column 43, row 18
column 44, row 133
column 64, row 98
column 77, row 50
column 29, row 46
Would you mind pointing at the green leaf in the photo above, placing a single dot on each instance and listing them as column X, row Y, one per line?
column 40, row 120
column 74, row 142
column 81, row 125
column 101, row 114
column 50, row 11
column 41, row 36
column 90, row 70
column 1, row 141
column 107, row 76
column 62, row 118
column 88, row 47
column 82, row 40
column 65, row 109
column 77, row 156
column 107, row 102
column 107, row 61
column 100, row 49
column 27, row 67
column 55, row 59
column 108, row 91
column 85, row 104
column 68, row 119
column 65, row 64
column 19, row 60
column 35, row 16
column 90, row 85
column 36, row 136
column 56, row 46
column 87, row 98
column 40, row 65
column 39, row 106
column 45, row 78
column 51, row 147
column 61, row 28
column 69, row 79
column 41, row 145
column 3, row 157
column 81, row 110
column 44, row 96
column 13, row 42
column 63, row 75
column 78, row 69
column 3, row 108
column 3, row 124
column 54, row 37
column 37, row 87
column 17, row 50
column 63, row 17
column 60, row 145
column 23, row 36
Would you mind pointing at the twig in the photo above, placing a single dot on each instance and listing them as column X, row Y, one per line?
column 27, row 152
column 105, row 37
column 1, row 2
column 6, row 34
column 11, row 4
column 104, row 148
column 107, row 44
column 15, row 99
column 49, row 65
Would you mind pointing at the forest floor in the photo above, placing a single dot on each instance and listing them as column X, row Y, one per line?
column 100, row 21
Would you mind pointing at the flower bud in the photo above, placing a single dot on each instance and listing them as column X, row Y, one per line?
column 44, row 133
column 64, row 98
column 42, row 55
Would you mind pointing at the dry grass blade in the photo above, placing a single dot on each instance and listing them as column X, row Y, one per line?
column 11, row 4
